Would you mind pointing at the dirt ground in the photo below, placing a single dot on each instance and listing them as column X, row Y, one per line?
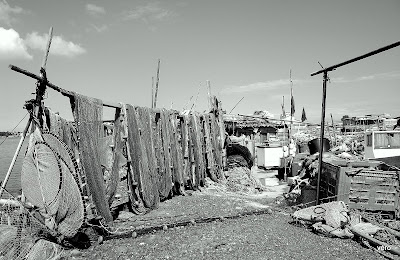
column 215, row 224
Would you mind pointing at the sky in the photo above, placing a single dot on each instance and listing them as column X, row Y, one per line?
column 246, row 49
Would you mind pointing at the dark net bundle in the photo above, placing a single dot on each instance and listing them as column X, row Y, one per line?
column 237, row 149
column 88, row 113
column 142, row 174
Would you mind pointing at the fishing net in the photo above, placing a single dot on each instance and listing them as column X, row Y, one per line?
column 49, row 166
column 212, row 167
column 187, row 173
column 118, row 169
column 88, row 114
column 20, row 230
column 237, row 149
column 141, row 168
column 334, row 214
column 196, row 136
column 163, row 156
column 64, row 130
column 176, row 153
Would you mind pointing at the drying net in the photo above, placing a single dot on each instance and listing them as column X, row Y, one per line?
column 88, row 113
column 49, row 182
column 138, row 132
column 61, row 128
column 22, row 233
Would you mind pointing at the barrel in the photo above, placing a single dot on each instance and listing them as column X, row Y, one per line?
column 314, row 145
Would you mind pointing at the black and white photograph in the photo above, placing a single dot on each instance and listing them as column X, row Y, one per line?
column 188, row 129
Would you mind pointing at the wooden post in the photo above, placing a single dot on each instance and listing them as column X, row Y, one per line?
column 210, row 101
column 157, row 81
column 14, row 159
column 40, row 90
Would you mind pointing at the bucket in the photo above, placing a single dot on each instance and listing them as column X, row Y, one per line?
column 314, row 145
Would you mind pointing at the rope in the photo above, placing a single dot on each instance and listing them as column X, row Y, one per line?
column 14, row 128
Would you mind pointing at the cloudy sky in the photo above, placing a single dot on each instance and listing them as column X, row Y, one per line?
column 110, row 49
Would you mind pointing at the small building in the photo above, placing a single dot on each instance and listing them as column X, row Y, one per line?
column 368, row 122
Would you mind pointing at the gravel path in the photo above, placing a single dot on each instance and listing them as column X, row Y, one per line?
column 266, row 236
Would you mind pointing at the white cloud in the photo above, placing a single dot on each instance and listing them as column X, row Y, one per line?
column 267, row 85
column 149, row 12
column 379, row 76
column 99, row 29
column 59, row 46
column 6, row 12
column 12, row 46
column 95, row 9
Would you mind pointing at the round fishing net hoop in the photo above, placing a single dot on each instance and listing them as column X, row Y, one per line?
column 47, row 181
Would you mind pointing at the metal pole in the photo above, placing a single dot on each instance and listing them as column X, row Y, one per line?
column 321, row 141
column 14, row 159
column 393, row 45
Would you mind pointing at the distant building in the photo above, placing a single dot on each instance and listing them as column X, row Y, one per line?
column 368, row 122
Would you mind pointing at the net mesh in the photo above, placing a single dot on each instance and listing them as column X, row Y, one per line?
column 88, row 114
column 138, row 126
column 49, row 166
column 19, row 233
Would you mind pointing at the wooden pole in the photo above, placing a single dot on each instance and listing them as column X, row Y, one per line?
column 210, row 101
column 14, row 159
column 334, row 130
column 152, row 92
column 157, row 81
column 236, row 105
column 46, row 54
column 64, row 92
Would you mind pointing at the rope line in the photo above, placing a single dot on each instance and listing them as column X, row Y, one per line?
column 14, row 128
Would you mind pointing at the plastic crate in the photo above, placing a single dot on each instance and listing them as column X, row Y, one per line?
column 360, row 187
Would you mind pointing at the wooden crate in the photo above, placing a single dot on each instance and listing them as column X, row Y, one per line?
column 360, row 187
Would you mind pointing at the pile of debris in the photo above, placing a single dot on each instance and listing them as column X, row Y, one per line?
column 334, row 219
